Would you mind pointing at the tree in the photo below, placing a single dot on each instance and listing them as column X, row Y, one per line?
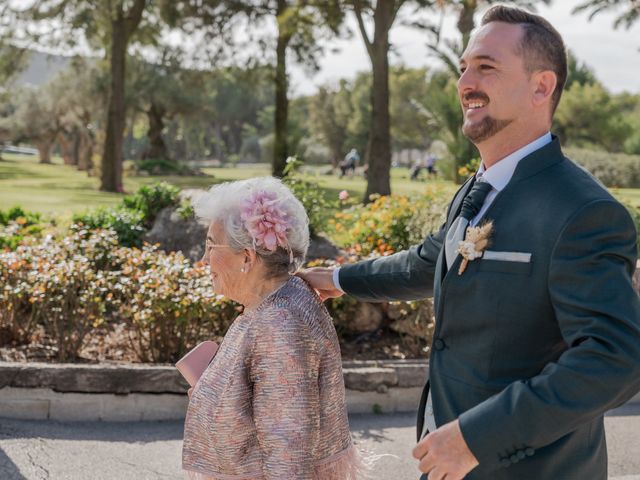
column 109, row 25
column 330, row 110
column 300, row 25
column 578, row 72
column 588, row 116
column 627, row 18
column 162, row 90
column 12, row 61
column 80, row 103
column 378, row 153
column 36, row 119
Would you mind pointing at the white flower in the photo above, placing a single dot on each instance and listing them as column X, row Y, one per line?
column 468, row 250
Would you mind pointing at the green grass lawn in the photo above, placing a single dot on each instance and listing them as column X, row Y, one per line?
column 61, row 190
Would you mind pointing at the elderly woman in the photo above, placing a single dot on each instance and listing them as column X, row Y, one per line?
column 271, row 405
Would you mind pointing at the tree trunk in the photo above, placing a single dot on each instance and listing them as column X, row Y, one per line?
column 111, row 174
column 466, row 23
column 44, row 149
column 85, row 152
column 378, row 154
column 68, row 142
column 280, row 147
column 157, row 149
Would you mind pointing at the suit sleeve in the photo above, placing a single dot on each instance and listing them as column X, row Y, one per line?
column 598, row 313
column 283, row 369
column 406, row 275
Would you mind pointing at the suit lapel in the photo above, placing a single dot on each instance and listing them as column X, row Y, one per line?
column 454, row 211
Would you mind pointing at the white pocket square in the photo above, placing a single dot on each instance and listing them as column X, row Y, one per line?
column 521, row 257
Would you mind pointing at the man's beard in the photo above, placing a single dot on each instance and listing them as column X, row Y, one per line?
column 485, row 129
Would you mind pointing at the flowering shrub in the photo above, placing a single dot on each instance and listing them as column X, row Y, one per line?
column 168, row 303
column 389, row 223
column 84, row 280
column 16, row 225
column 52, row 285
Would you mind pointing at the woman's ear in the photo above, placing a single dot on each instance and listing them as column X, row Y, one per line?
column 250, row 259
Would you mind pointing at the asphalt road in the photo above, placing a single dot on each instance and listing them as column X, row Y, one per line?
column 36, row 450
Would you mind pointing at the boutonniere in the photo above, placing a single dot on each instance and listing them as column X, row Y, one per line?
column 474, row 244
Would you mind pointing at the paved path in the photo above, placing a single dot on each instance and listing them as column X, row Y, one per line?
column 144, row 451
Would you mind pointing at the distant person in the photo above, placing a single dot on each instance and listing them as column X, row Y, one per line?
column 416, row 169
column 430, row 165
column 348, row 165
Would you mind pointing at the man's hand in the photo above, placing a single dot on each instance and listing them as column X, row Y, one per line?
column 445, row 454
column 321, row 279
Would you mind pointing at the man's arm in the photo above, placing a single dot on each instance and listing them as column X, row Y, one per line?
column 598, row 313
column 406, row 275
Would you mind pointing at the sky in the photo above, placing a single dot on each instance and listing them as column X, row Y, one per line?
column 614, row 55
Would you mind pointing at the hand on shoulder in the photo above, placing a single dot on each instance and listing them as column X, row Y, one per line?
column 321, row 280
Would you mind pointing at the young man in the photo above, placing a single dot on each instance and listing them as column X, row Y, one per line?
column 538, row 334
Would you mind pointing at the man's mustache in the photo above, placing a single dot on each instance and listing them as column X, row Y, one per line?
column 467, row 97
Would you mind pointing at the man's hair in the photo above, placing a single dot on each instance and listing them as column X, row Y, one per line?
column 541, row 46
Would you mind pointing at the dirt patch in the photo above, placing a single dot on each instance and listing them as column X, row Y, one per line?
column 113, row 344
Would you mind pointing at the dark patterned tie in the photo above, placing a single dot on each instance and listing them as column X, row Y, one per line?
column 471, row 205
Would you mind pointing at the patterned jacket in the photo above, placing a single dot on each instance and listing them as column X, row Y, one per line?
column 271, row 405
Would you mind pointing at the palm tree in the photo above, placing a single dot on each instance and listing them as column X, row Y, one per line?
column 627, row 18
column 461, row 149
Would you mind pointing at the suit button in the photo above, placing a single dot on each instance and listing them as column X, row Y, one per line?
column 505, row 462
column 514, row 458
column 529, row 451
column 439, row 344
column 521, row 454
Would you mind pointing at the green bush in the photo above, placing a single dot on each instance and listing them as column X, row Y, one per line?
column 634, row 211
column 135, row 215
column 18, row 214
column 150, row 199
column 162, row 166
column 127, row 224
column 612, row 169
column 312, row 198
column 17, row 225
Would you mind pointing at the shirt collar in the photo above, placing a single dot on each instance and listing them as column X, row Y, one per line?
column 500, row 173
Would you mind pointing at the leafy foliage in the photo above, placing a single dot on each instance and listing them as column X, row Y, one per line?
column 389, row 223
column 16, row 225
column 612, row 169
column 311, row 197
column 84, row 280
column 135, row 215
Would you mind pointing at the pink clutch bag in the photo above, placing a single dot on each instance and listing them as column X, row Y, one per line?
column 194, row 363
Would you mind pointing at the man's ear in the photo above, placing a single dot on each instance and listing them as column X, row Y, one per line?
column 544, row 84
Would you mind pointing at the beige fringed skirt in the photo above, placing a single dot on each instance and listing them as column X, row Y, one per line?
column 348, row 464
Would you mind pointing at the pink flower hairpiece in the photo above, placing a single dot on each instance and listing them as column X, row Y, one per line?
column 265, row 221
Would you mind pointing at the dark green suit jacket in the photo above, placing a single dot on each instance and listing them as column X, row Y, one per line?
column 528, row 355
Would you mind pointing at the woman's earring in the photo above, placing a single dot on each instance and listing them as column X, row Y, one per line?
column 242, row 269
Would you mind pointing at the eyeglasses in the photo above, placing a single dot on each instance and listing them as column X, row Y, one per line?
column 208, row 245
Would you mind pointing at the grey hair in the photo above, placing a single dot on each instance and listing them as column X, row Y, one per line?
column 223, row 204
